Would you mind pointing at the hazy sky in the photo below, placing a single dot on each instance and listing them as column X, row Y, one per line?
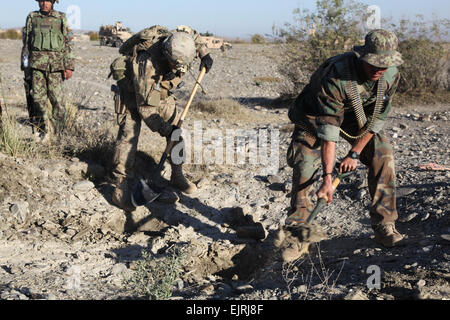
column 233, row 18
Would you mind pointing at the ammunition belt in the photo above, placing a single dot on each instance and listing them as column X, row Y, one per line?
column 355, row 99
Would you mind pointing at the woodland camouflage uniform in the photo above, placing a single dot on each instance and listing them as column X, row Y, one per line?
column 324, row 109
column 146, row 95
column 47, row 45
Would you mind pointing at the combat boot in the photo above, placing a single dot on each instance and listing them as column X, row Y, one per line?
column 122, row 195
column 293, row 249
column 387, row 235
column 179, row 181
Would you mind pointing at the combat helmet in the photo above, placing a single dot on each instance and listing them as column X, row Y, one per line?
column 380, row 49
column 179, row 49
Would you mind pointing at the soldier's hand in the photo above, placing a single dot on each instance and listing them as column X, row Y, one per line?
column 207, row 62
column 67, row 74
column 169, row 76
column 327, row 189
column 348, row 165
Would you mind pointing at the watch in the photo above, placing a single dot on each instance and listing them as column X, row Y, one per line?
column 353, row 155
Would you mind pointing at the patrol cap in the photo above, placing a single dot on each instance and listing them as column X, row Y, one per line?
column 380, row 49
column 180, row 49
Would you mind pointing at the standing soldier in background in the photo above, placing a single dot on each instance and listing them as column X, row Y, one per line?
column 47, row 61
column 349, row 96
column 151, row 67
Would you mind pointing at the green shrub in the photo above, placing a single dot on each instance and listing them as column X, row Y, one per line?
column 338, row 25
column 11, row 141
column 425, row 53
column 11, row 34
column 155, row 277
column 258, row 39
column 93, row 36
column 332, row 29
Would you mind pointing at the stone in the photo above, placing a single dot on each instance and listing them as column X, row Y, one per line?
column 117, row 222
column 20, row 211
column 356, row 296
column 244, row 288
column 77, row 168
column 421, row 283
column 180, row 284
column 275, row 179
column 446, row 237
column 83, row 186
column 409, row 217
column 119, row 269
column 256, row 232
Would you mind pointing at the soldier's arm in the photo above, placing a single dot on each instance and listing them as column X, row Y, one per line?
column 69, row 60
column 330, row 102
column 26, row 40
column 201, row 46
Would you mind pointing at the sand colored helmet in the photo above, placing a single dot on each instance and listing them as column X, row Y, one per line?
column 179, row 48
column 380, row 49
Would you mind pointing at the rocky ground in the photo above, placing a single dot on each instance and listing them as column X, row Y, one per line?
column 61, row 238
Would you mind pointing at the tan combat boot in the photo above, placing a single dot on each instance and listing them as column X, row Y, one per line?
column 292, row 248
column 179, row 181
column 387, row 235
column 122, row 195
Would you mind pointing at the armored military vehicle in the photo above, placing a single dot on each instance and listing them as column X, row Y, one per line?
column 217, row 43
column 114, row 35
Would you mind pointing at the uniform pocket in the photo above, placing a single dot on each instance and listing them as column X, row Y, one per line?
column 153, row 99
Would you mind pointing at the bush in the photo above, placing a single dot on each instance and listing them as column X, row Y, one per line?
column 93, row 36
column 258, row 39
column 338, row 25
column 11, row 141
column 426, row 55
column 332, row 29
column 11, row 34
column 155, row 277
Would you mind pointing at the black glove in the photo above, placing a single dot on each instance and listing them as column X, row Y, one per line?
column 207, row 62
column 169, row 76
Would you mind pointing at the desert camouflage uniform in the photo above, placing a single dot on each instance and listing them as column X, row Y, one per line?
column 47, row 43
column 320, row 112
column 147, row 97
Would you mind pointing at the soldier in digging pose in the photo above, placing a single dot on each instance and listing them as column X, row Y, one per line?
column 151, row 68
column 349, row 96
column 47, row 58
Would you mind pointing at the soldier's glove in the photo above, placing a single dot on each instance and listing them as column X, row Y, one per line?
column 169, row 76
column 207, row 62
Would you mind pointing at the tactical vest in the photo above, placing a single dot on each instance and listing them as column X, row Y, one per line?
column 47, row 34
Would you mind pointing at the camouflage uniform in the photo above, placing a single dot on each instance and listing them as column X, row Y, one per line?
column 47, row 43
column 323, row 111
column 147, row 96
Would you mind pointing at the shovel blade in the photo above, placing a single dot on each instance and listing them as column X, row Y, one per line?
column 143, row 194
